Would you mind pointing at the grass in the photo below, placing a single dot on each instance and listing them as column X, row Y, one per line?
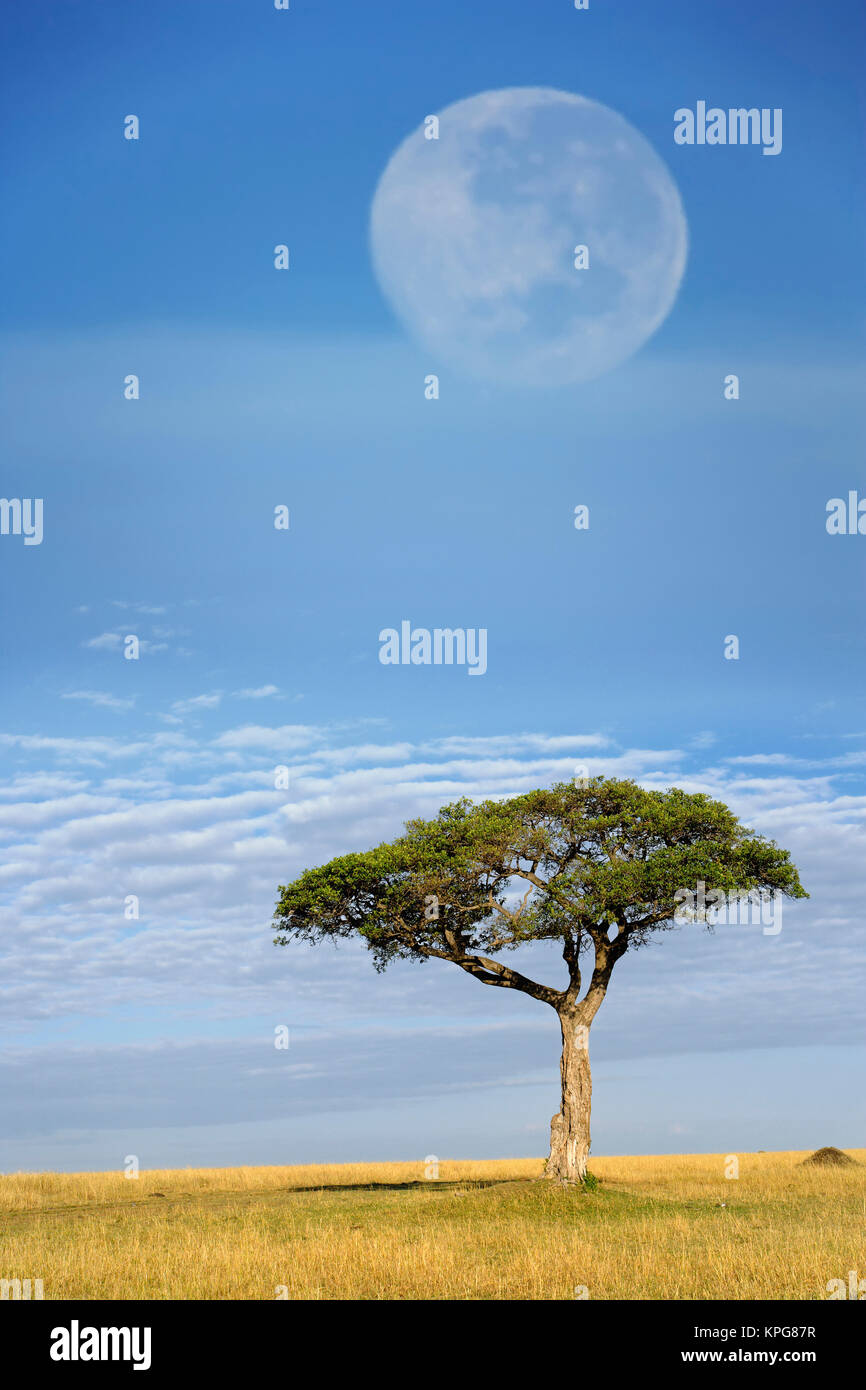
column 655, row 1228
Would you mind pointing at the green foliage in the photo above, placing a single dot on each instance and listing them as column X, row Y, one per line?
column 596, row 865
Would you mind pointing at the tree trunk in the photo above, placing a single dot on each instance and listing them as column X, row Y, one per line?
column 569, row 1128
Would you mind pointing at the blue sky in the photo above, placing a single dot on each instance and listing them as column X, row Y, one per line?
column 605, row 647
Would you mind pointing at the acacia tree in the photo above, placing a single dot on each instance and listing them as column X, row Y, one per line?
column 598, row 868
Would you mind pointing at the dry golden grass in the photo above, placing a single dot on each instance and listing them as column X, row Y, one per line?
column 655, row 1228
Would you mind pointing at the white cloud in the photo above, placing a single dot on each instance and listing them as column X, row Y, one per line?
column 782, row 759
column 705, row 739
column 101, row 699
column 519, row 743
column 197, row 829
column 197, row 702
column 147, row 608
column 286, row 738
column 262, row 692
column 105, row 642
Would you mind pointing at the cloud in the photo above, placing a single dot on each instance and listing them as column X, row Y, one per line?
column 111, row 641
column 286, row 737
column 80, row 750
column 100, row 699
column 705, row 739
column 781, row 759
column 519, row 743
column 197, row 702
column 206, row 853
column 76, row 1087
column 260, row 693
column 105, row 642
column 144, row 608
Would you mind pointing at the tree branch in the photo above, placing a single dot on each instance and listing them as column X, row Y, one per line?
column 493, row 972
column 571, row 956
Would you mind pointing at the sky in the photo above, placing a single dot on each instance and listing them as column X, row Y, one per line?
column 259, row 647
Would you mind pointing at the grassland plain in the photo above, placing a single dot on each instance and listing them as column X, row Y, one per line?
column 670, row 1227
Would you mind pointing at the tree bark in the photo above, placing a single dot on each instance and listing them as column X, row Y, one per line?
column 569, row 1128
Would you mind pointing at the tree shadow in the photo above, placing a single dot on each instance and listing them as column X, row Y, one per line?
column 457, row 1184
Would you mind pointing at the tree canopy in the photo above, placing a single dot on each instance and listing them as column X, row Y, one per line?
column 597, row 867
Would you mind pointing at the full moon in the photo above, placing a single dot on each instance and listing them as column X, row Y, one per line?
column 476, row 237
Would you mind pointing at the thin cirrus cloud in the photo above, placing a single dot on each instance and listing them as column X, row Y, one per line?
column 144, row 608
column 197, row 702
column 261, row 692
column 112, row 641
column 101, row 699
